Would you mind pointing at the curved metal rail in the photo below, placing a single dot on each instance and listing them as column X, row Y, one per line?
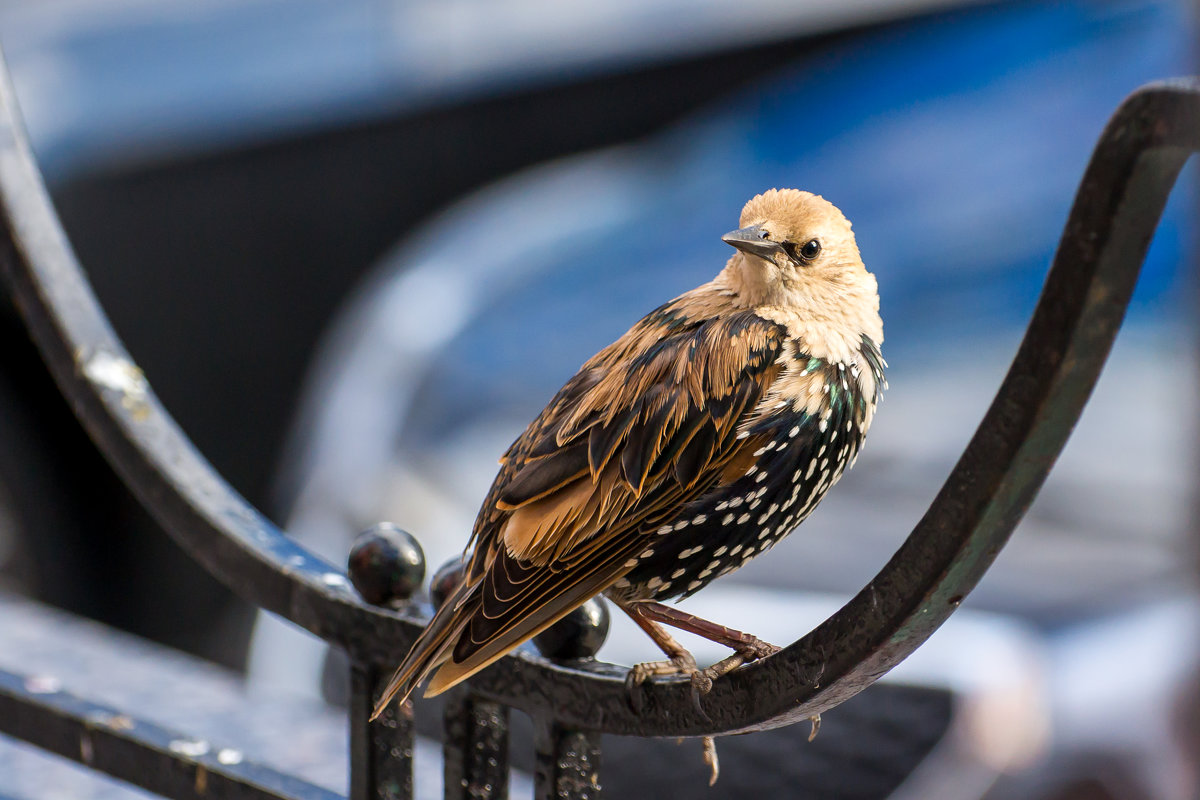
column 1068, row 339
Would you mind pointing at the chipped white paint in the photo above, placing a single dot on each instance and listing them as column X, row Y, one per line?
column 42, row 684
column 228, row 756
column 192, row 748
column 117, row 374
column 335, row 579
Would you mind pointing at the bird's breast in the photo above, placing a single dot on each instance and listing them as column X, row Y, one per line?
column 804, row 434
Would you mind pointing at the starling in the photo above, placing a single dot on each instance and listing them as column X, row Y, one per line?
column 697, row 440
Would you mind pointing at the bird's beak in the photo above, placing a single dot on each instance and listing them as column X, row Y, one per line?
column 753, row 240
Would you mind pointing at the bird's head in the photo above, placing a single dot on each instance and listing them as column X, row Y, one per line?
column 796, row 251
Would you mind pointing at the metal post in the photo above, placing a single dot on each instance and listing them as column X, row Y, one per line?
column 475, row 748
column 567, row 762
column 381, row 752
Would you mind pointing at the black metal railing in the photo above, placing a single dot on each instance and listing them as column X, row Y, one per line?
column 1068, row 339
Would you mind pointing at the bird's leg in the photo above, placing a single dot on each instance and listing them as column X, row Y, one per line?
column 746, row 647
column 680, row 662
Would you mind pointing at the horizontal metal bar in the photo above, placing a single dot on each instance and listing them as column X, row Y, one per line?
column 35, row 710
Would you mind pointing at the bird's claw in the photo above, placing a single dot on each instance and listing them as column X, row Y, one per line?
column 756, row 649
column 633, row 690
column 701, row 685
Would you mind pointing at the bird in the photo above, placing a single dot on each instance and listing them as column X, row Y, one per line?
column 694, row 442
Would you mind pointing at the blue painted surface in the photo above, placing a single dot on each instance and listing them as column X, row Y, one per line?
column 954, row 143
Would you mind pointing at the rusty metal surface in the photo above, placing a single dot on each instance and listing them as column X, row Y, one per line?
column 1068, row 339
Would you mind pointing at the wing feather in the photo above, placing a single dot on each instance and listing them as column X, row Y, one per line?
column 649, row 424
column 543, row 476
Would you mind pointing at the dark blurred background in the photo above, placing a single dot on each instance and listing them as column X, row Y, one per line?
column 355, row 245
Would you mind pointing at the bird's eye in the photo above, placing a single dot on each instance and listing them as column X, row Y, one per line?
column 810, row 249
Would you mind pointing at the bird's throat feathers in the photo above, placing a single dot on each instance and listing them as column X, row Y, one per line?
column 829, row 312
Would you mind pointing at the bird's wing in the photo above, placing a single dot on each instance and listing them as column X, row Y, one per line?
column 647, row 425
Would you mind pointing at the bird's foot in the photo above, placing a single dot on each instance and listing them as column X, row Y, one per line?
column 754, row 649
column 682, row 663
column 747, row 652
column 702, row 680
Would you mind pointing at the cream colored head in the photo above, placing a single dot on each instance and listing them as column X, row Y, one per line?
column 796, row 251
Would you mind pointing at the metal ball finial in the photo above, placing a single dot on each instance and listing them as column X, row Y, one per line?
column 386, row 564
column 446, row 580
column 577, row 635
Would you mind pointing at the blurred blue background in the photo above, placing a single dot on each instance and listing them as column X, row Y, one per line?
column 356, row 245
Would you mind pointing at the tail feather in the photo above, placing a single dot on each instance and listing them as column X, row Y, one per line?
column 450, row 672
column 428, row 652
